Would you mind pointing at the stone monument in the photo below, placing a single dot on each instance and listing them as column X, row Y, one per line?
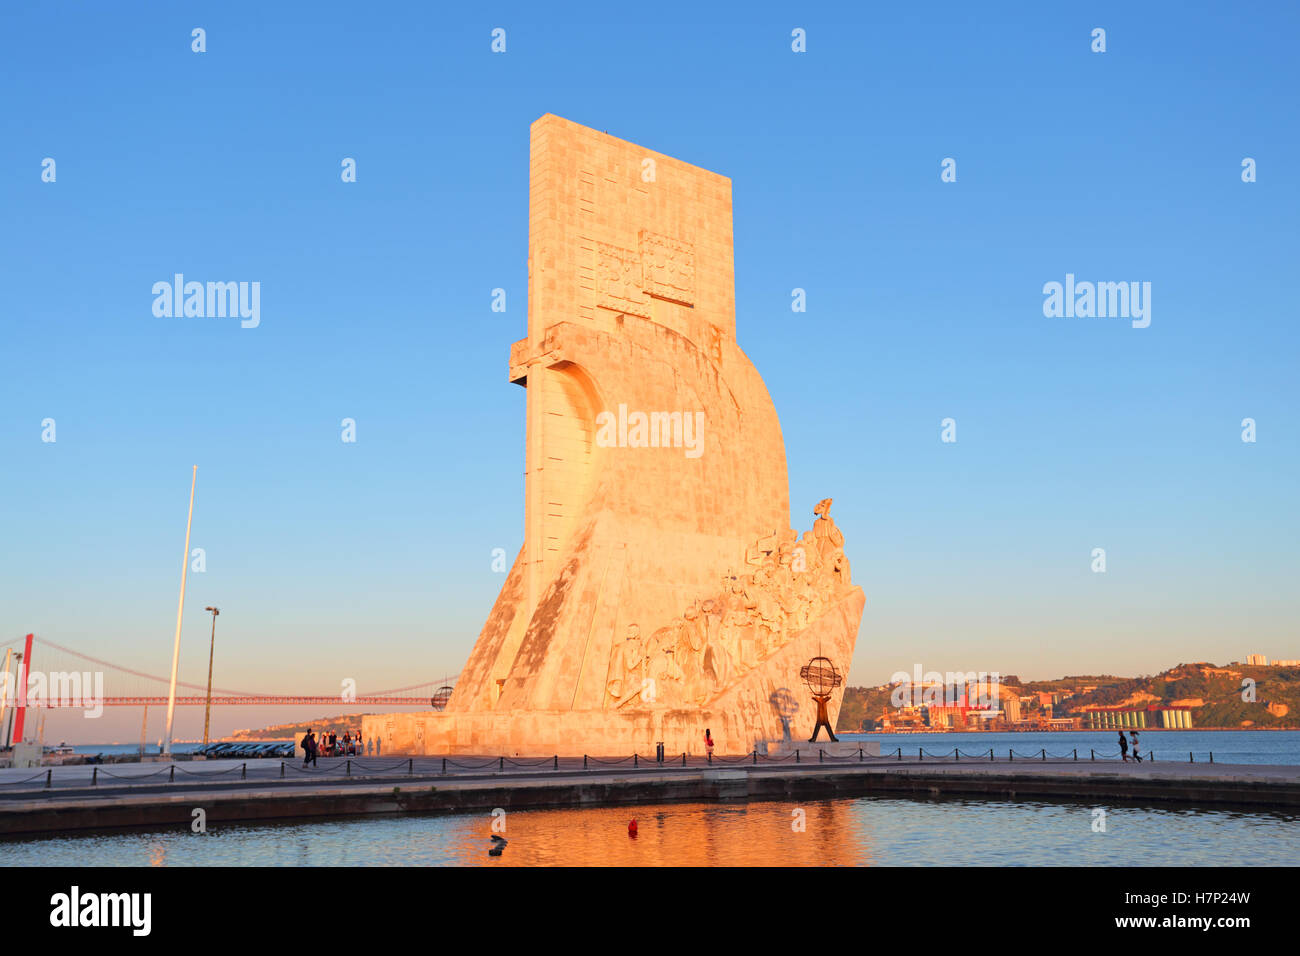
column 660, row 589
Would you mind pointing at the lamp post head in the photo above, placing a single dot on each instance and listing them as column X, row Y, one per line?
column 215, row 611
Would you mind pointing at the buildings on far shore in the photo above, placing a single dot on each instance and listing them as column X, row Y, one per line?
column 940, row 717
column 1034, row 711
column 1136, row 718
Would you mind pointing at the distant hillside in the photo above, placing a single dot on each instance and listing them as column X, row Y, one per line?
column 342, row 723
column 1213, row 693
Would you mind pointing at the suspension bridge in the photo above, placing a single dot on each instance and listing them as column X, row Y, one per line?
column 56, row 676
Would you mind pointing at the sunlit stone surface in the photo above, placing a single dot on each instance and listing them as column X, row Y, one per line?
column 660, row 590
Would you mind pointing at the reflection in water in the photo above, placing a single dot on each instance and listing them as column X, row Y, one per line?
column 824, row 833
column 846, row 832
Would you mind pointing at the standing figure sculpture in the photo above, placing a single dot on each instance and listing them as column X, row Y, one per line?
column 626, row 667
column 822, row 678
column 828, row 537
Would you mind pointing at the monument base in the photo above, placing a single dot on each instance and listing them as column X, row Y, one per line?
column 740, row 719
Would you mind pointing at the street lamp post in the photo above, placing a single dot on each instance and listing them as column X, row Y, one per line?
column 207, row 710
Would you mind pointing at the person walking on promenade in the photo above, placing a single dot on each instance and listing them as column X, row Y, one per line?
column 309, row 749
column 708, row 743
column 1136, row 756
column 379, row 741
column 1123, row 746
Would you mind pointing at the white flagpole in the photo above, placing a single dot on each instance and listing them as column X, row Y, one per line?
column 4, row 693
column 180, row 608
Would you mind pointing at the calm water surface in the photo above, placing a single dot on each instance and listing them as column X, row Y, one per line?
column 1228, row 746
column 845, row 832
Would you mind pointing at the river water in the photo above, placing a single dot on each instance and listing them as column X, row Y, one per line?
column 844, row 832
column 1227, row 746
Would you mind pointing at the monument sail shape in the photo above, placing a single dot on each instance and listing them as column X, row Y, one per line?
column 660, row 590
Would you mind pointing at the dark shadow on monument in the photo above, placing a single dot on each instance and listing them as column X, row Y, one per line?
column 785, row 706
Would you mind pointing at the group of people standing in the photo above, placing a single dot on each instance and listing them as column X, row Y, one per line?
column 329, row 745
column 1124, row 746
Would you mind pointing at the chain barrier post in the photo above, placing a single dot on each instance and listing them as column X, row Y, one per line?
column 990, row 755
column 1092, row 754
column 920, row 753
column 634, row 761
column 49, row 774
column 584, row 761
column 94, row 777
column 349, row 770
column 282, row 769
column 900, row 753
column 956, row 755
column 755, row 758
column 171, row 777
column 410, row 766
column 243, row 772
column 1211, row 756
column 1076, row 754
column 1044, row 753
column 1011, row 754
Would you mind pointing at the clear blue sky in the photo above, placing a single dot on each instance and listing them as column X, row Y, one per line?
column 373, row 560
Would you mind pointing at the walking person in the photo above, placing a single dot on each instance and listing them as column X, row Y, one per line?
column 708, row 743
column 1123, row 746
column 309, row 749
column 1136, row 756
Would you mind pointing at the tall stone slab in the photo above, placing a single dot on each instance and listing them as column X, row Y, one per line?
column 660, row 590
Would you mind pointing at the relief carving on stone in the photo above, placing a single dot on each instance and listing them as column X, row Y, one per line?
column 668, row 267
column 788, row 583
column 619, row 280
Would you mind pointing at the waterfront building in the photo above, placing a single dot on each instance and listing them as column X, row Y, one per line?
column 1137, row 718
column 1011, row 709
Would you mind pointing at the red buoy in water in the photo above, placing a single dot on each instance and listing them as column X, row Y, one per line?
column 631, row 829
